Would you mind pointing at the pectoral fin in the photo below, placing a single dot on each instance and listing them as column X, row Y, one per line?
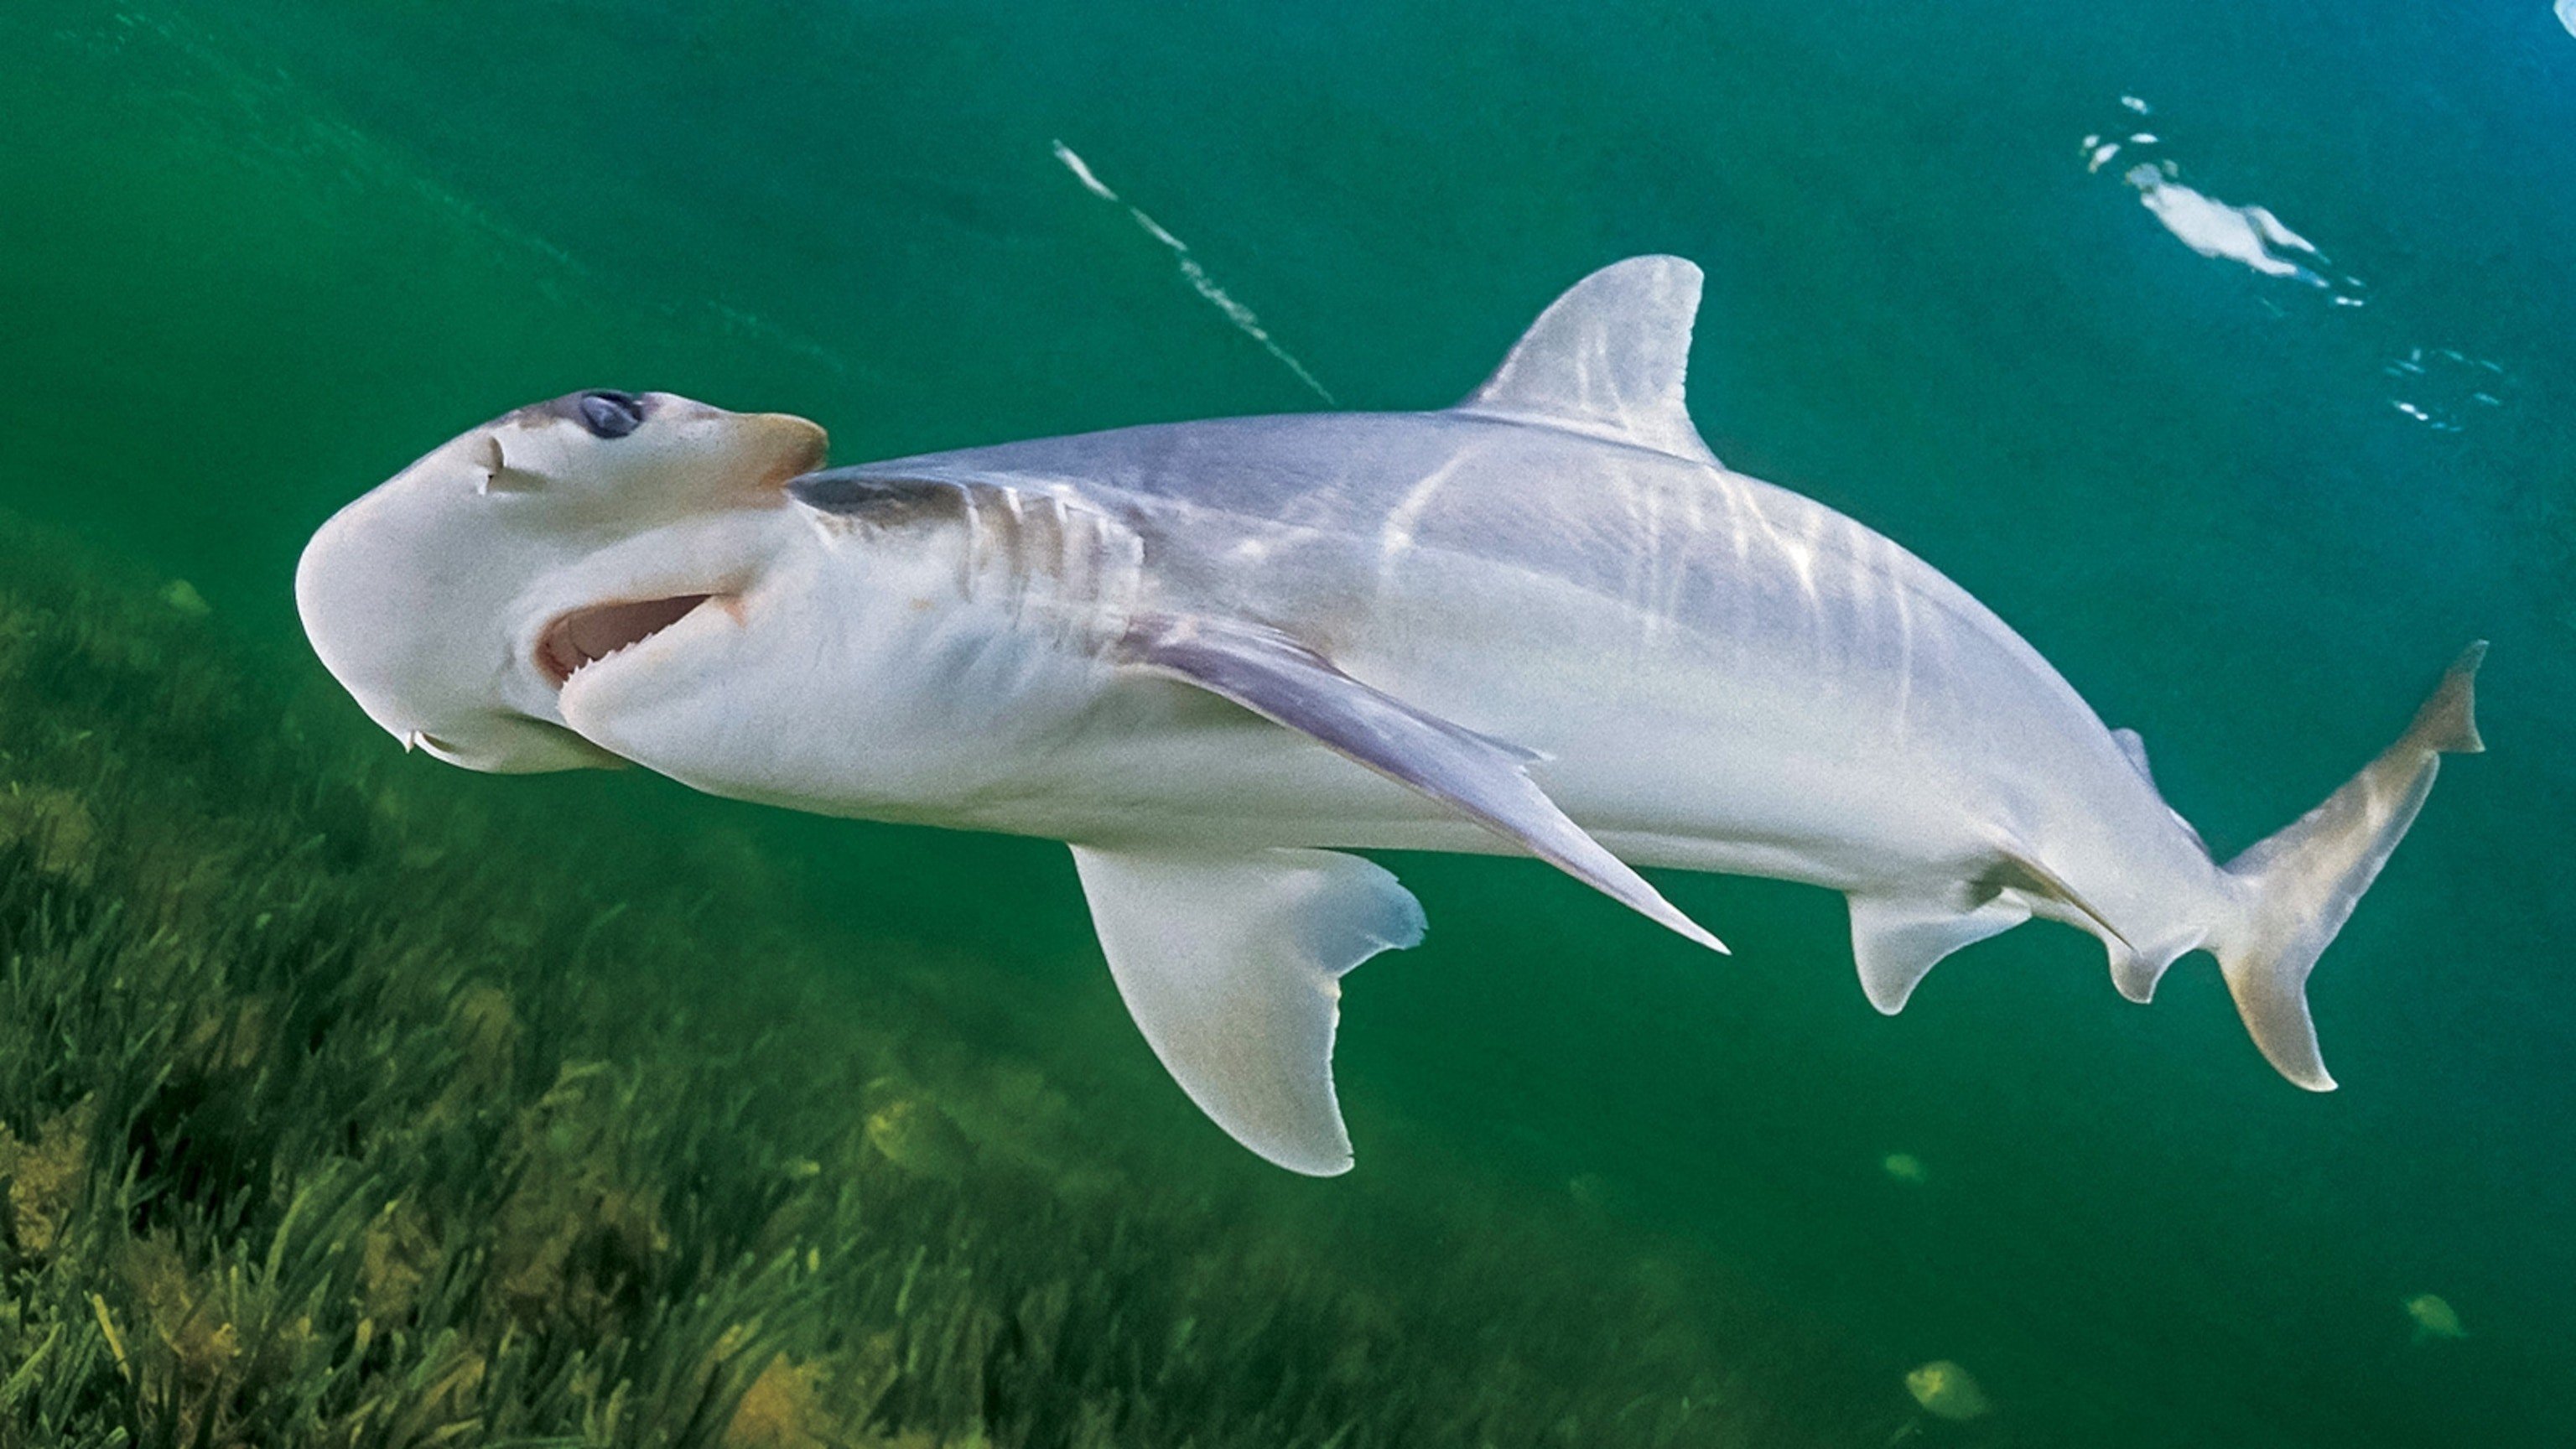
column 1484, row 779
column 1232, row 965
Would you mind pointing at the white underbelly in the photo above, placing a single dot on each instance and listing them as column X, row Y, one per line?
column 1787, row 749
column 1670, row 748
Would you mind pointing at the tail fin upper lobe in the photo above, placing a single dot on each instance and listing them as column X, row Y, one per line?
column 2301, row 884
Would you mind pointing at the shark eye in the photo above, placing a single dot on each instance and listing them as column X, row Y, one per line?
column 607, row 413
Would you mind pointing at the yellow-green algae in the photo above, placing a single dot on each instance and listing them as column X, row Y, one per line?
column 333, row 1112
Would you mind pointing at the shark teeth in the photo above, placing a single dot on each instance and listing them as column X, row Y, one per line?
column 586, row 636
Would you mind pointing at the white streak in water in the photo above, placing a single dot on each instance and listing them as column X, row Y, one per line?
column 1196, row 275
column 1082, row 173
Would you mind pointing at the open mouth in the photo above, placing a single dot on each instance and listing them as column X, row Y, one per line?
column 586, row 636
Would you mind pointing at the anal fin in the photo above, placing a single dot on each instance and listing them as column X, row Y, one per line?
column 1896, row 939
column 1231, row 963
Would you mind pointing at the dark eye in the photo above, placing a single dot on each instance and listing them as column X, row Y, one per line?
column 608, row 414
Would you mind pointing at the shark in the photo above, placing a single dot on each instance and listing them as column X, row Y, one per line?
column 1216, row 658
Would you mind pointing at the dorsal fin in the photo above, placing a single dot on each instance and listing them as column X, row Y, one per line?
column 1608, row 358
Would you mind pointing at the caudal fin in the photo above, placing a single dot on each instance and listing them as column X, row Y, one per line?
column 2301, row 884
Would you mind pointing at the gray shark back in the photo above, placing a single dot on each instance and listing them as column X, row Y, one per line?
column 1317, row 522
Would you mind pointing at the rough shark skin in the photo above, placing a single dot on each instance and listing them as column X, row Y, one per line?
column 1213, row 655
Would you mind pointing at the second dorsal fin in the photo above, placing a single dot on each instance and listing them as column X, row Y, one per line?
column 1608, row 358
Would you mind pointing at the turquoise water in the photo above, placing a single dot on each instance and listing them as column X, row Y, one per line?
column 255, row 258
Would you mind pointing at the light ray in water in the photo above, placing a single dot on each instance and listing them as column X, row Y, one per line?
column 1197, row 276
column 266, row 118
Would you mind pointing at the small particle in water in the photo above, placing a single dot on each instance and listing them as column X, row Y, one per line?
column 919, row 1138
column 182, row 595
column 2133, row 103
column 2434, row 1318
column 1904, row 1167
column 1947, row 1392
column 1590, row 1189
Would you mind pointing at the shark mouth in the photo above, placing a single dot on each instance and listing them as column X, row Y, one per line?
column 586, row 636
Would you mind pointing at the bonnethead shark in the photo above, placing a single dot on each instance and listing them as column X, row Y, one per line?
column 1216, row 656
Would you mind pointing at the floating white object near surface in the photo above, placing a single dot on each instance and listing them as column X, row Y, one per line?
column 2212, row 228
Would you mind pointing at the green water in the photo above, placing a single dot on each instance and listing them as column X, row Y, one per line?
column 255, row 257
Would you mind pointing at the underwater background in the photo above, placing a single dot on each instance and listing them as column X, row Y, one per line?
column 348, row 1098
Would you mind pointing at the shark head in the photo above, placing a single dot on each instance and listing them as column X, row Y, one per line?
column 456, row 600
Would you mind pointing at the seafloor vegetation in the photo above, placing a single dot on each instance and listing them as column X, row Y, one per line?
column 338, row 1107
